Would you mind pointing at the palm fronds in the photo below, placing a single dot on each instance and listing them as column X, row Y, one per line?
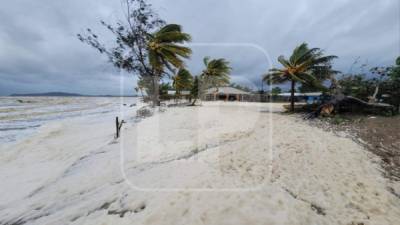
column 183, row 80
column 164, row 49
column 306, row 66
column 217, row 72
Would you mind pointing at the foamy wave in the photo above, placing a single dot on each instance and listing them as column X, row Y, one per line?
column 20, row 116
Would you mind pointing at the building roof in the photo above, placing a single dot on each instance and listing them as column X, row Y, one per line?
column 314, row 94
column 227, row 90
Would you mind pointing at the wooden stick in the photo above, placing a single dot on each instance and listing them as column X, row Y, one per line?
column 118, row 126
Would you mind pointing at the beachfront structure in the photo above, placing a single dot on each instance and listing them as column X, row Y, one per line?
column 182, row 93
column 311, row 97
column 227, row 94
column 171, row 94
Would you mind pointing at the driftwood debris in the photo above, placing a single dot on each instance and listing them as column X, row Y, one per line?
column 118, row 126
column 339, row 103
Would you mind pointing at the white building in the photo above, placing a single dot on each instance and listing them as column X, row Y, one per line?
column 227, row 94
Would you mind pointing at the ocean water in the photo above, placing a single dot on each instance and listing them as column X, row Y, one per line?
column 22, row 116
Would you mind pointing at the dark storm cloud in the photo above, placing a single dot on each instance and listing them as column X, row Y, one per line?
column 346, row 28
column 39, row 50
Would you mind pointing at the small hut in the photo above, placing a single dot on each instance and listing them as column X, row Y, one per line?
column 227, row 94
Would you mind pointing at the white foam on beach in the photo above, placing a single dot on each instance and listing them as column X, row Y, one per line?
column 22, row 116
column 193, row 165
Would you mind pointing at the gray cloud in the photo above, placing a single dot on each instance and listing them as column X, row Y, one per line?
column 39, row 50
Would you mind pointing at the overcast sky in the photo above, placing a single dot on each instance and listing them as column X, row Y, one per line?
column 39, row 51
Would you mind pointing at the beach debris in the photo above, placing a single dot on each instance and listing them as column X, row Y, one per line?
column 24, row 101
column 118, row 126
column 317, row 209
column 327, row 110
column 144, row 112
column 339, row 103
column 121, row 213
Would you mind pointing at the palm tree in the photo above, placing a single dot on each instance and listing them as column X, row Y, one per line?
column 216, row 73
column 140, row 86
column 304, row 66
column 182, row 80
column 145, row 83
column 165, row 51
column 194, row 92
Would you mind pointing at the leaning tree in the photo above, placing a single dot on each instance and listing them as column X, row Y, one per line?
column 137, row 45
column 305, row 66
column 183, row 80
column 357, row 92
column 195, row 91
column 166, row 52
column 216, row 73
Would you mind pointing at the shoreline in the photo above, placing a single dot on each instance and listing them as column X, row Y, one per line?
column 313, row 176
column 21, row 117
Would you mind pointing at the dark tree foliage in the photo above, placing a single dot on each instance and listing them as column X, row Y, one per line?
column 131, row 37
column 163, row 91
column 305, row 87
column 305, row 65
column 183, row 80
column 383, row 80
column 395, row 71
column 276, row 91
column 145, row 83
column 358, row 86
column 195, row 91
column 321, row 75
column 393, row 85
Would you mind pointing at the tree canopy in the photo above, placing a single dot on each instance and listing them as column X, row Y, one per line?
column 183, row 80
column 305, row 65
column 216, row 73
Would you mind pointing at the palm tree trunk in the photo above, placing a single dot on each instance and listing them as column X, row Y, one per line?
column 292, row 95
column 156, row 94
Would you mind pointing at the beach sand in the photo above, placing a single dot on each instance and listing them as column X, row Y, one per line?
column 220, row 163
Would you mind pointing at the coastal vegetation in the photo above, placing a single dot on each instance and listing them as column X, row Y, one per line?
column 165, row 52
column 316, row 146
column 305, row 65
column 381, row 84
column 145, row 45
column 194, row 91
column 215, row 74
column 183, row 80
column 276, row 91
column 373, row 92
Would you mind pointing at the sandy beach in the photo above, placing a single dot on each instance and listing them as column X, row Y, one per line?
column 219, row 163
